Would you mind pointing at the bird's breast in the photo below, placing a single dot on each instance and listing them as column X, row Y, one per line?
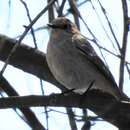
column 68, row 66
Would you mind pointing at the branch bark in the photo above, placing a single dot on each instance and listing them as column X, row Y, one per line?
column 109, row 109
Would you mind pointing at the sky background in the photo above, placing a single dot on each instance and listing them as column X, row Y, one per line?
column 12, row 19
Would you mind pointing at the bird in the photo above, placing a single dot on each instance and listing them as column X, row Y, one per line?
column 75, row 64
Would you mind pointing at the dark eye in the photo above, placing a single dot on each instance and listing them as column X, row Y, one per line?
column 67, row 26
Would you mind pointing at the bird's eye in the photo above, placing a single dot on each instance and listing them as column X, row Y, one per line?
column 67, row 26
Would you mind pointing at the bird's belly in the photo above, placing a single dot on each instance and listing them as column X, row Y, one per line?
column 73, row 74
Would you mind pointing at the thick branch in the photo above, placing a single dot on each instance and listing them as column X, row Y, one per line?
column 27, row 59
column 113, row 111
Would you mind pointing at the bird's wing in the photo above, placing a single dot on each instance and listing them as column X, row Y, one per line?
column 86, row 49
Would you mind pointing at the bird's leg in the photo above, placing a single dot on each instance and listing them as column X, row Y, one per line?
column 89, row 87
column 85, row 93
column 68, row 91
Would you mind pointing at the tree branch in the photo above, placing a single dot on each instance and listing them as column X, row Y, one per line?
column 124, row 43
column 109, row 109
column 27, row 59
column 28, row 114
column 71, row 118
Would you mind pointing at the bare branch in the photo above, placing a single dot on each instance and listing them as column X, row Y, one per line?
column 28, row 114
column 50, row 12
column 75, row 12
column 94, row 100
column 60, row 10
column 71, row 117
column 124, row 44
column 30, row 20
column 110, row 26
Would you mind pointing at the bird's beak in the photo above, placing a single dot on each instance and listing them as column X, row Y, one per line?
column 52, row 25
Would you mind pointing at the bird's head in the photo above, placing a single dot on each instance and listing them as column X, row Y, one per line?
column 63, row 23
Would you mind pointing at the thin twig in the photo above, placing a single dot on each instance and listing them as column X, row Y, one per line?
column 110, row 26
column 128, row 69
column 45, row 108
column 60, row 10
column 24, row 34
column 30, row 20
column 35, row 30
column 74, row 10
column 101, row 23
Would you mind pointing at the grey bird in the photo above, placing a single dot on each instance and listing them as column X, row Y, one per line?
column 74, row 62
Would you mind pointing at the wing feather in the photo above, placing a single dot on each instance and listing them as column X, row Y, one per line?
column 86, row 49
